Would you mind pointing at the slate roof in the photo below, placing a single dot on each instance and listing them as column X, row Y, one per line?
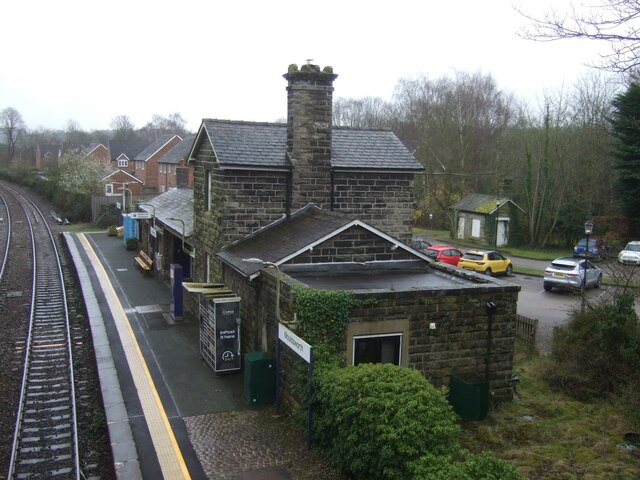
column 53, row 148
column 79, row 147
column 113, row 171
column 179, row 152
column 252, row 144
column 130, row 148
column 479, row 203
column 148, row 152
column 174, row 203
column 282, row 238
column 290, row 236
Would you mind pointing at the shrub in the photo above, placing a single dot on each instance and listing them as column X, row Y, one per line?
column 374, row 419
column 484, row 466
column 597, row 351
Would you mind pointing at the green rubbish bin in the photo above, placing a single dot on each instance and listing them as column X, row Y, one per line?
column 469, row 396
column 259, row 378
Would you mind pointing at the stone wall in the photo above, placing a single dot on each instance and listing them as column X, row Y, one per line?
column 384, row 201
column 460, row 342
column 356, row 244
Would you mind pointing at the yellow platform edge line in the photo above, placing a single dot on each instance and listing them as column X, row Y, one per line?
column 169, row 455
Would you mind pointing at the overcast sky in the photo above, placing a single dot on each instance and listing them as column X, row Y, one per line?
column 90, row 61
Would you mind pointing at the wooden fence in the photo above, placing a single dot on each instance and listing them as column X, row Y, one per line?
column 526, row 329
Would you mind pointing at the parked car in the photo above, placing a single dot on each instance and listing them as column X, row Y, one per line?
column 597, row 249
column 421, row 245
column 569, row 273
column 486, row 261
column 630, row 255
column 444, row 254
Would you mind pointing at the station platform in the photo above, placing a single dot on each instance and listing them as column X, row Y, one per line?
column 165, row 407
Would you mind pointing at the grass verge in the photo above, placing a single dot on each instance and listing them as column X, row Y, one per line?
column 548, row 435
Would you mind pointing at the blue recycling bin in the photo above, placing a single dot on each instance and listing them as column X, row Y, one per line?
column 130, row 228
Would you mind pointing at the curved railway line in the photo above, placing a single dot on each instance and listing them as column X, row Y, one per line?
column 41, row 386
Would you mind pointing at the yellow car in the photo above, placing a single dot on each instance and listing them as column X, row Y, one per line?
column 488, row 262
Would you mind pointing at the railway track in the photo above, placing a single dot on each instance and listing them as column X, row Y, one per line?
column 45, row 440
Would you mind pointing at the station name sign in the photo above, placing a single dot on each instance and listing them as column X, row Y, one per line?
column 140, row 215
column 294, row 342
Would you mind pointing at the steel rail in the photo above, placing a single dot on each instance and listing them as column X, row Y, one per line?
column 7, row 240
column 45, row 442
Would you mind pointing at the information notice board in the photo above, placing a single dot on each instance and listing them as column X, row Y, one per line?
column 220, row 333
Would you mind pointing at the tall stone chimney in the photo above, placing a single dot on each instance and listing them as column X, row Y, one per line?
column 309, row 119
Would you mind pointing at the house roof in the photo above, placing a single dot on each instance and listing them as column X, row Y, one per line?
column 485, row 204
column 179, row 152
column 130, row 148
column 290, row 236
column 153, row 148
column 126, row 174
column 264, row 145
column 175, row 203
column 53, row 148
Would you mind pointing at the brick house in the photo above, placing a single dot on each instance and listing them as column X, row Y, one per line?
column 118, row 179
column 173, row 170
column 47, row 152
column 331, row 208
column 53, row 152
column 122, row 153
column 145, row 163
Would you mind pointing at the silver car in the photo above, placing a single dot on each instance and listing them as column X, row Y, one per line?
column 570, row 273
column 631, row 254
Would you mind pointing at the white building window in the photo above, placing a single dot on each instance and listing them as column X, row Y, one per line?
column 207, row 190
column 377, row 349
column 123, row 162
column 475, row 227
column 108, row 189
column 163, row 168
column 139, row 165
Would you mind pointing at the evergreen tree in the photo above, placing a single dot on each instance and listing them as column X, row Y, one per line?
column 626, row 130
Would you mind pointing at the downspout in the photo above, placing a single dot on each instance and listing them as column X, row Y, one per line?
column 491, row 310
column 289, row 193
column 331, row 186
column 289, row 186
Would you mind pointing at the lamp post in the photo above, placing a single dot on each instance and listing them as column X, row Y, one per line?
column 495, row 247
column 184, row 249
column 124, row 197
column 264, row 325
column 588, row 229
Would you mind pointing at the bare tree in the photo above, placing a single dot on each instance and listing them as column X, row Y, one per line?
column 368, row 112
column 74, row 133
column 562, row 163
column 456, row 126
column 159, row 125
column 614, row 21
column 123, row 128
column 13, row 127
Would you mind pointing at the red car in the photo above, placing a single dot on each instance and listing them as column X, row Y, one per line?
column 443, row 253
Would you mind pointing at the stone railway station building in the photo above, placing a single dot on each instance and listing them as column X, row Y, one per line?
column 331, row 208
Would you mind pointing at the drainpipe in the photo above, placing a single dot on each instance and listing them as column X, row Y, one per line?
column 491, row 310
column 289, row 192
column 331, row 186
column 288, row 185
